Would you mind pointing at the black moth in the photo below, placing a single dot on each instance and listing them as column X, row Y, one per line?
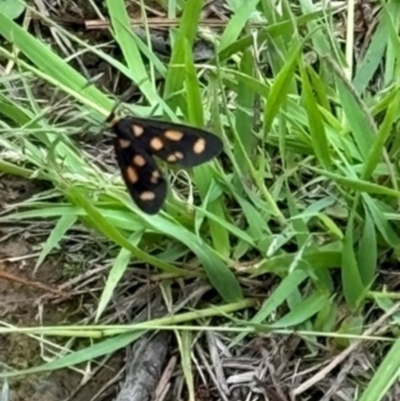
column 137, row 140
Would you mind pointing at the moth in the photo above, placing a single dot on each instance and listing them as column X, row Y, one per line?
column 138, row 140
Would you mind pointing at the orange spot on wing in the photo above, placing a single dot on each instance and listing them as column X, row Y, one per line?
column 124, row 143
column 155, row 176
column 139, row 161
column 147, row 196
column 132, row 175
column 199, row 146
column 137, row 130
column 172, row 158
column 179, row 155
column 173, row 135
column 156, row 143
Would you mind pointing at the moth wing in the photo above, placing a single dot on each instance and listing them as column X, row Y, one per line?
column 141, row 175
column 177, row 143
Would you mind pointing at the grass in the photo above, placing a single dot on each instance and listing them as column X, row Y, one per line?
column 306, row 194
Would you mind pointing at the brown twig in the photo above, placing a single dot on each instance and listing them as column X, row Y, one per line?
column 35, row 284
column 156, row 22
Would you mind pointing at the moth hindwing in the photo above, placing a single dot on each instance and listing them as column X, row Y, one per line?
column 137, row 140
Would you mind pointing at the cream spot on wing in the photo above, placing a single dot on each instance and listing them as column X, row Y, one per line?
column 132, row 175
column 155, row 175
column 147, row 196
column 124, row 143
column 156, row 143
column 137, row 130
column 173, row 135
column 172, row 158
column 199, row 146
column 139, row 160
column 179, row 155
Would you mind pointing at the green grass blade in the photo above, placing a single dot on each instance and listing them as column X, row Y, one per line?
column 237, row 23
column 122, row 31
column 116, row 272
column 56, row 235
column 302, row 311
column 387, row 374
column 358, row 118
column 49, row 63
column 280, row 87
column 353, row 288
column 317, row 129
column 367, row 254
column 105, row 347
column 186, row 35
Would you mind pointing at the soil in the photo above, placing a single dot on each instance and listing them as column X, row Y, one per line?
column 25, row 305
